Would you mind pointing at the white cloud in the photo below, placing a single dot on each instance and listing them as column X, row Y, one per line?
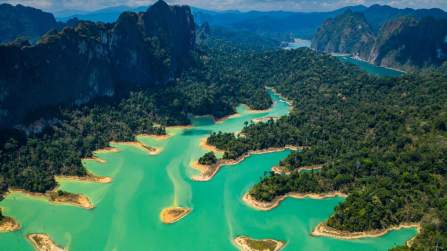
column 296, row 5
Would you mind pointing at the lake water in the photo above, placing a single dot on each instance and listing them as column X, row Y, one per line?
column 370, row 68
column 127, row 210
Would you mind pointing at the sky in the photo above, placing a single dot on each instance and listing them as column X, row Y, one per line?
column 244, row 5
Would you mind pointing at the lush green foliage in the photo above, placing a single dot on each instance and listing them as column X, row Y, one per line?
column 208, row 159
column 382, row 140
column 212, row 86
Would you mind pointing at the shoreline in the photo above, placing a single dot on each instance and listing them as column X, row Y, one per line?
column 88, row 178
column 177, row 127
column 234, row 115
column 221, row 120
column 94, row 158
column 386, row 67
column 254, row 111
column 150, row 150
column 288, row 101
column 283, row 170
column 154, row 136
column 366, row 61
column 242, row 243
column 264, row 119
column 322, row 230
column 8, row 224
column 204, row 145
column 208, row 172
column 171, row 215
column 267, row 206
column 108, row 149
column 43, row 242
column 82, row 200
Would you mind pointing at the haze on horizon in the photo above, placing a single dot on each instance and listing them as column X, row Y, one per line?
column 243, row 5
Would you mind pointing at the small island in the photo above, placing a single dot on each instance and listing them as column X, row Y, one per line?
column 173, row 214
column 8, row 224
column 244, row 243
column 42, row 242
column 63, row 197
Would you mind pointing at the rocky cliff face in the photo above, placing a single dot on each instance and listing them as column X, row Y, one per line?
column 405, row 42
column 410, row 43
column 92, row 60
column 24, row 21
column 347, row 33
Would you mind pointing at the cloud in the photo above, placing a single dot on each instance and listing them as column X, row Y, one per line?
column 295, row 5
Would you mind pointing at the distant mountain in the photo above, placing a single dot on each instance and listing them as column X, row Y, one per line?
column 94, row 60
column 347, row 33
column 280, row 25
column 378, row 15
column 17, row 21
column 412, row 41
column 107, row 15
column 273, row 24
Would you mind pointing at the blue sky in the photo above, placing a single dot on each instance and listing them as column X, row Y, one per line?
column 295, row 5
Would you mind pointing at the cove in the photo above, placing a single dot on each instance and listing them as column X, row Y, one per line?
column 370, row 68
column 126, row 216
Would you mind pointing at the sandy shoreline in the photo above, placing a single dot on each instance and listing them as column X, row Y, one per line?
column 173, row 214
column 179, row 127
column 221, row 120
column 253, row 111
column 264, row 119
column 202, row 168
column 94, row 158
column 204, row 145
column 266, row 206
column 283, row 170
column 8, row 224
column 88, row 178
column 154, row 136
column 322, row 230
column 43, row 242
column 236, row 115
column 150, row 150
column 107, row 150
column 80, row 200
column 243, row 243
column 208, row 172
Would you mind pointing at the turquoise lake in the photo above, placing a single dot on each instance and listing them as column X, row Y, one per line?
column 127, row 210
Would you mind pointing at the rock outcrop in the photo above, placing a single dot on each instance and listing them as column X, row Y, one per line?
column 347, row 33
column 92, row 60
column 405, row 42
